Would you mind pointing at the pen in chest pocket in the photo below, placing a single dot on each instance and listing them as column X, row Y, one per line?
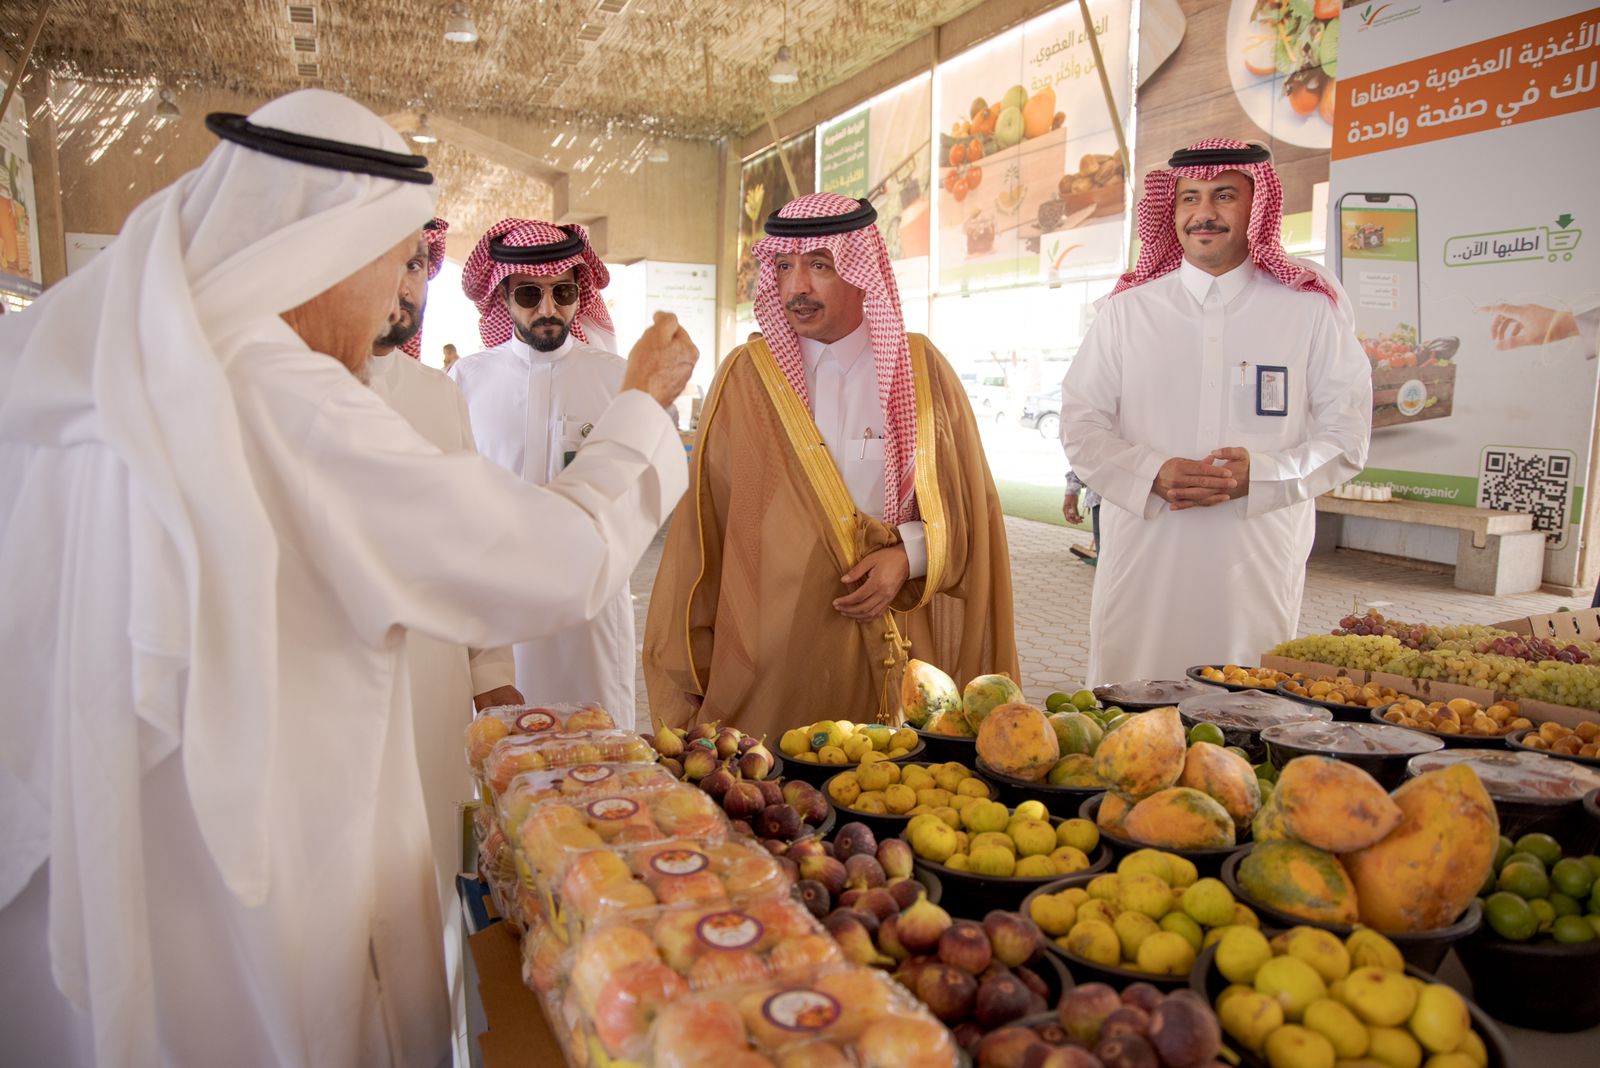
column 866, row 436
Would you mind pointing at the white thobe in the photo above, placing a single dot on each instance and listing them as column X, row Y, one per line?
column 444, row 676
column 530, row 412
column 1170, row 369
column 842, row 383
column 377, row 534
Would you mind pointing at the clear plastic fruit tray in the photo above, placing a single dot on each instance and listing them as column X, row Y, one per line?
column 552, row 834
column 577, row 784
column 503, row 721
column 681, row 872
column 624, row 961
column 518, row 754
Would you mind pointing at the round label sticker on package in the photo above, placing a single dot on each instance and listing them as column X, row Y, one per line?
column 679, row 862
column 612, row 808
column 1412, row 397
column 590, row 773
column 536, row 721
column 569, row 735
column 729, row 930
column 801, row 1010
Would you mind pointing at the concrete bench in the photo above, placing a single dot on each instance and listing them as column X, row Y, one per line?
column 1497, row 552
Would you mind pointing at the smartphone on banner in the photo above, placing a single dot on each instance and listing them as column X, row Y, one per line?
column 1377, row 264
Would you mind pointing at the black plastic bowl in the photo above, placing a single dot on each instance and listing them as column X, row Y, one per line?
column 817, row 774
column 1063, row 801
column 1389, row 769
column 1100, row 973
column 947, row 748
column 1451, row 741
column 1108, row 695
column 1206, row 861
column 1341, row 712
column 1514, row 741
column 1231, row 687
column 1209, row 983
column 1423, row 949
column 1545, row 986
column 930, row 883
column 1248, row 736
column 971, row 896
column 1561, row 818
column 887, row 825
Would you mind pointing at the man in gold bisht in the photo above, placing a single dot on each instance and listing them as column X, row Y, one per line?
column 840, row 515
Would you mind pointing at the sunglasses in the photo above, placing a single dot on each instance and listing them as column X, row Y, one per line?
column 531, row 295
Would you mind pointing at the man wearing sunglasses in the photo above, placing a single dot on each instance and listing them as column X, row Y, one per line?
column 533, row 396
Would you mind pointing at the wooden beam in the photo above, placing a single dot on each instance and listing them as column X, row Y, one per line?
column 27, row 53
column 46, row 164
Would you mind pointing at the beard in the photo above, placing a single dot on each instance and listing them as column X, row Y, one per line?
column 541, row 342
column 403, row 329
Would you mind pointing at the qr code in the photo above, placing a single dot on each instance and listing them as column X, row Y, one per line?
column 1535, row 481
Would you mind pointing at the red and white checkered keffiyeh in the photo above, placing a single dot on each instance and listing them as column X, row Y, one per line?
column 434, row 236
column 1160, row 252
column 862, row 260
column 481, row 278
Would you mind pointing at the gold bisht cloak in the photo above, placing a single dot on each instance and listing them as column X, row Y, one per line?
column 741, row 616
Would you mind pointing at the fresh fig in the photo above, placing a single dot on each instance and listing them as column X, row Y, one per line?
column 905, row 891
column 895, row 856
column 756, row 763
column 719, row 782
column 862, row 871
column 815, row 897
column 854, row 838
column 921, row 926
column 743, row 801
column 668, row 742
column 698, row 762
column 778, row 821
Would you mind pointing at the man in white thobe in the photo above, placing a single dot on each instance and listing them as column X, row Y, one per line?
column 533, row 396
column 1219, row 391
column 447, row 680
column 213, row 541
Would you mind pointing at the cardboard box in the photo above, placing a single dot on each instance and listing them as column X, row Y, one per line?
column 518, row 1035
column 1311, row 669
column 1557, row 626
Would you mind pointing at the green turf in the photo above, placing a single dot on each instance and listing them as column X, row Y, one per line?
column 1029, row 500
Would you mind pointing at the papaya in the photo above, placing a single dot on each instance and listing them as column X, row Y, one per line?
column 1113, row 811
column 1226, row 777
column 1180, row 818
column 1144, row 754
column 1333, row 805
column 951, row 724
column 986, row 693
column 1039, row 113
column 925, row 691
column 1076, row 732
column 1302, row 880
column 1426, row 871
column 1074, row 769
column 1016, row 739
column 1268, row 824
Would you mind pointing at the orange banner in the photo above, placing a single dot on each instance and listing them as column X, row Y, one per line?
column 1542, row 71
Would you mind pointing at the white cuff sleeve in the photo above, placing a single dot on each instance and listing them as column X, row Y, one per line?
column 914, row 536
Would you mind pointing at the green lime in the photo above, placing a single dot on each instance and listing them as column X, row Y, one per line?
column 1573, row 877
column 1113, row 722
column 1594, row 921
column 1542, row 846
column 1238, row 752
column 1207, row 732
column 1489, row 883
column 1057, row 701
column 1524, row 880
column 1594, row 898
column 1520, row 857
column 1510, row 917
column 1545, row 911
column 1502, row 851
column 1572, row 929
column 1593, row 863
column 1564, row 905
column 1266, row 772
column 1084, row 700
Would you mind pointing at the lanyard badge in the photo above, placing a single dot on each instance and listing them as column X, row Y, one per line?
column 1272, row 390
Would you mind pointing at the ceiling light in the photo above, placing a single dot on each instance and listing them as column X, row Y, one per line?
column 423, row 134
column 459, row 28
column 784, row 71
column 658, row 152
column 167, row 109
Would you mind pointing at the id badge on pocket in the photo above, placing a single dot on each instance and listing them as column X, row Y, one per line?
column 1272, row 390
column 572, row 445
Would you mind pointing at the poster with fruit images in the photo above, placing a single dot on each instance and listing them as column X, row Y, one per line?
column 19, row 235
column 764, row 187
column 1030, row 185
column 883, row 151
column 1462, row 211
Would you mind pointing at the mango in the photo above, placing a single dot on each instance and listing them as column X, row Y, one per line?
column 1333, row 805
column 1076, row 732
column 1144, row 755
column 1016, row 739
column 1180, row 818
column 951, row 724
column 1074, row 769
column 1268, row 824
column 1113, row 811
column 986, row 693
column 1301, row 880
column 1226, row 777
column 925, row 691
column 1426, row 871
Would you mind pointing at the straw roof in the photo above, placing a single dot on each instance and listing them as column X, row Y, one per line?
column 687, row 68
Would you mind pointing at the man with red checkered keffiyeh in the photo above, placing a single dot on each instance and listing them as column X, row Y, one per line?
column 1220, row 390
column 534, row 395
column 841, row 517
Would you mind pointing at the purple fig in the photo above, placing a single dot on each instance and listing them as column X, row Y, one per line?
column 756, row 763
column 879, row 902
column 776, row 846
column 770, row 793
column 1016, row 938
column 965, row 946
column 668, row 742
column 718, row 783
column 791, row 870
column 889, row 939
column 854, row 838
column 862, row 871
column 853, row 939
column 727, row 742
column 826, row 870
column 905, row 891
column 895, row 856
column 1000, row 1000
column 815, row 897
column 743, row 801
column 702, row 730
column 806, row 847
column 673, row 765
column 698, row 762
column 778, row 821
column 921, row 926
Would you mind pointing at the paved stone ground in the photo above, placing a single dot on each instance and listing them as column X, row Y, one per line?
column 1052, row 590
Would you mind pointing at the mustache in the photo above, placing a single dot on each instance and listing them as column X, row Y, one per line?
column 548, row 320
column 1206, row 228
column 795, row 304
